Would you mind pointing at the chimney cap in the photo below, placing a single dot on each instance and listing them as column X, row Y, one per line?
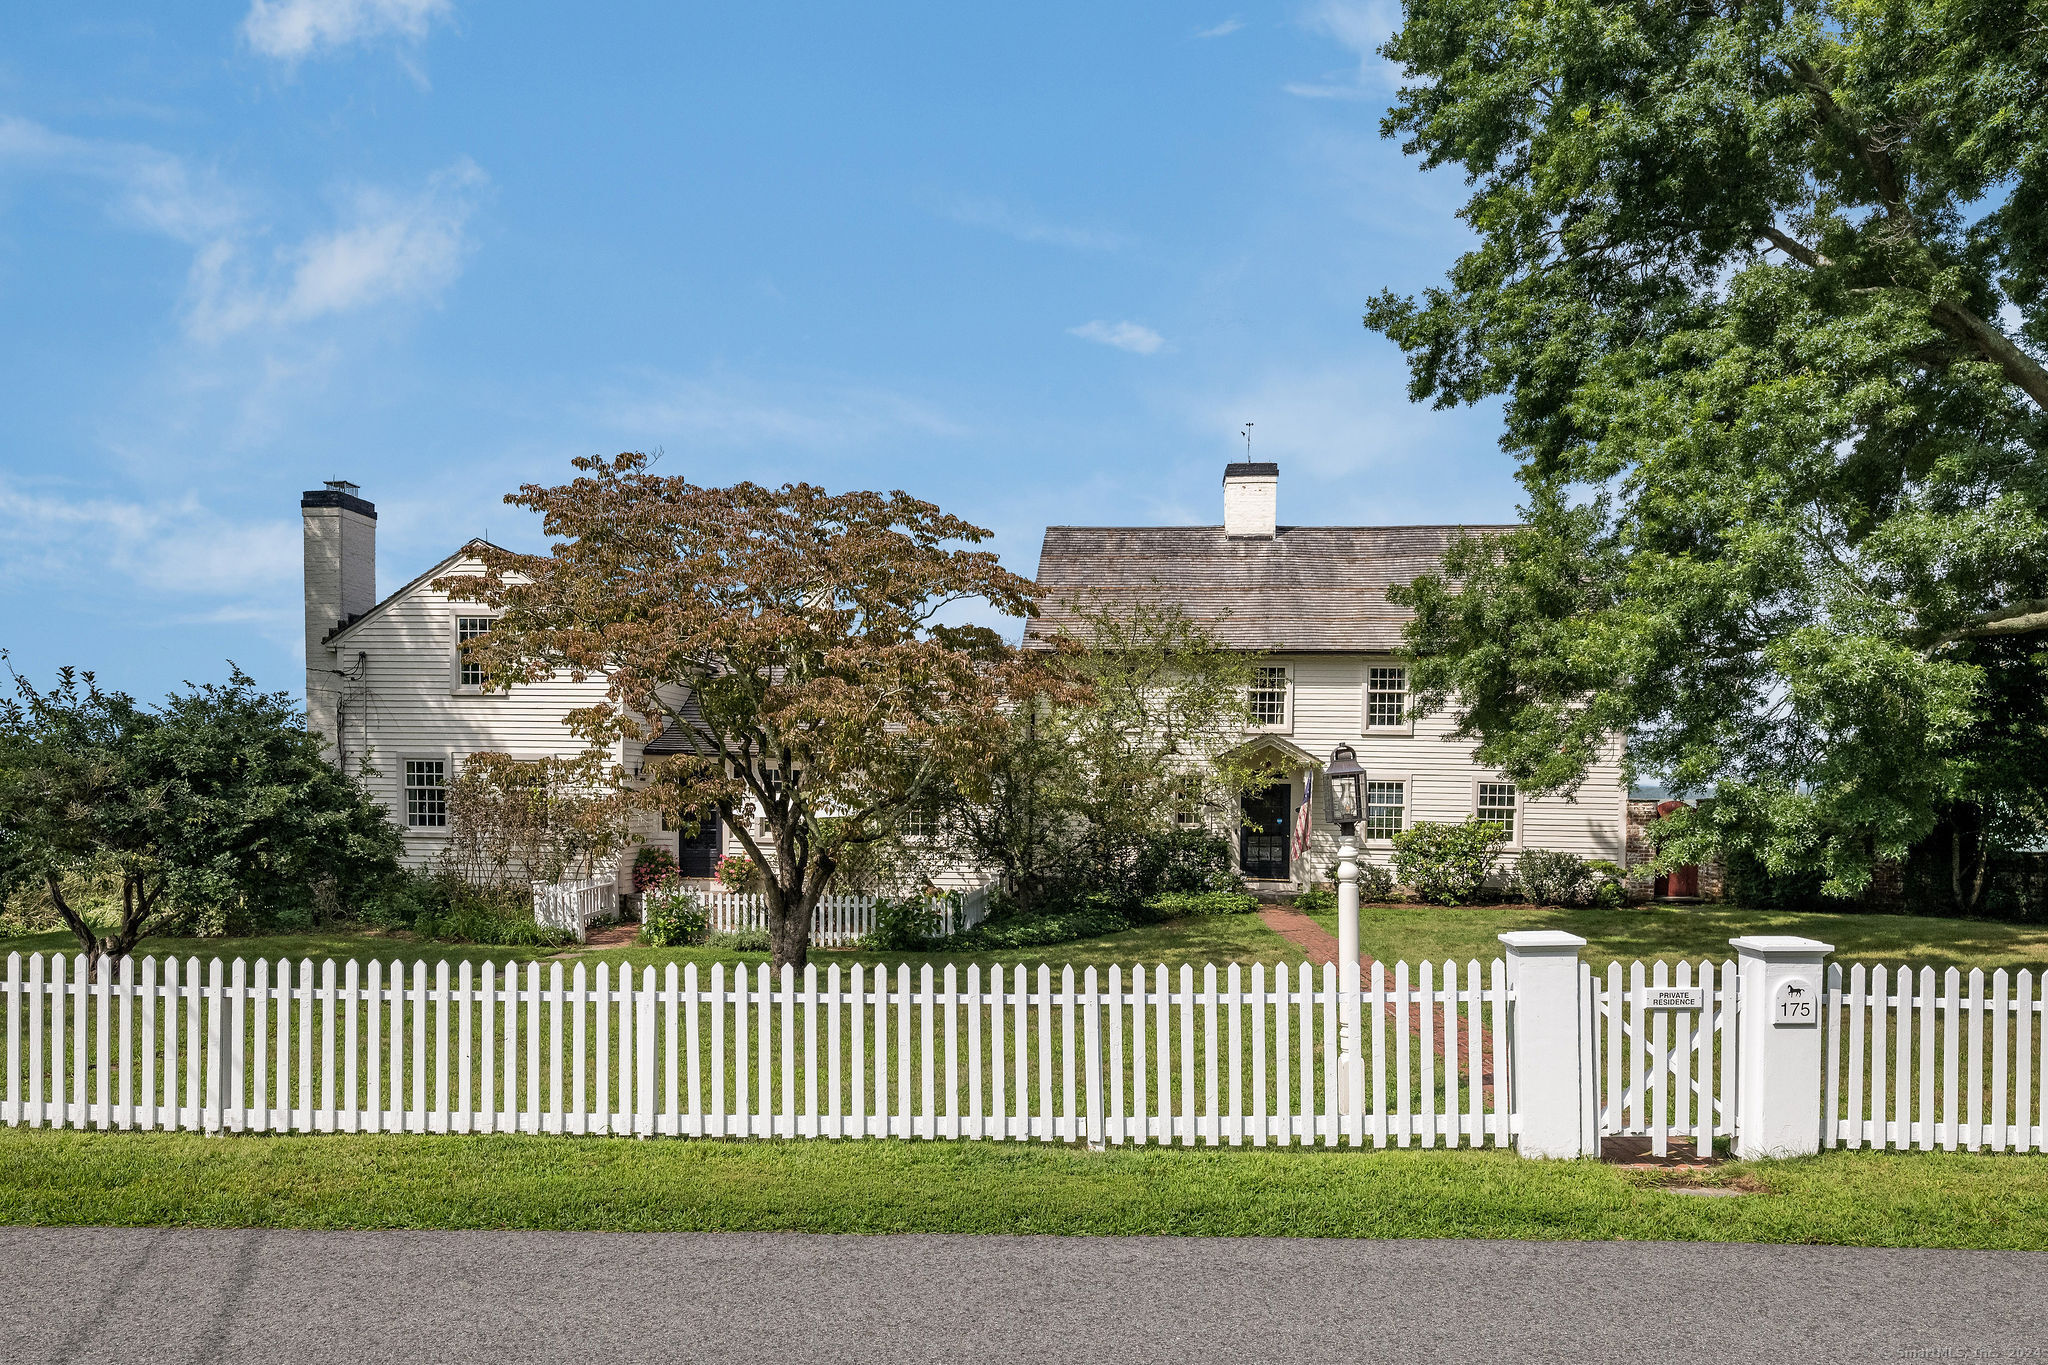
column 338, row 493
column 1251, row 469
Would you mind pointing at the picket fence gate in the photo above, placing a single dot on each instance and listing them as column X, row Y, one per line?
column 1145, row 1056
column 837, row 921
column 1883, row 1085
column 1663, row 1041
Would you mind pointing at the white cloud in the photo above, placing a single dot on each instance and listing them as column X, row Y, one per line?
column 1362, row 26
column 1026, row 226
column 1222, row 30
column 290, row 30
column 392, row 248
column 172, row 549
column 734, row 412
column 1125, row 336
column 388, row 248
column 151, row 189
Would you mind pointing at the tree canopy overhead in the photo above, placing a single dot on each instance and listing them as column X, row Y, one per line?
column 791, row 636
column 1762, row 287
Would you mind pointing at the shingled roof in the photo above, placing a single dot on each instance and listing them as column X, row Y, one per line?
column 1306, row 590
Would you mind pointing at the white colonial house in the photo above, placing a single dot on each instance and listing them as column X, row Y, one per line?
column 1312, row 602
column 387, row 685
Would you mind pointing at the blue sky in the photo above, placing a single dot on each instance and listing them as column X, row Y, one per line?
column 1036, row 264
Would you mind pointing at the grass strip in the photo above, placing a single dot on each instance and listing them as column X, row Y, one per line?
column 163, row 1179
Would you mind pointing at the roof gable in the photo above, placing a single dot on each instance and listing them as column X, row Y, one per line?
column 468, row 551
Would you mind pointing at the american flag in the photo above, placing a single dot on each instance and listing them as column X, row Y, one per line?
column 1301, row 816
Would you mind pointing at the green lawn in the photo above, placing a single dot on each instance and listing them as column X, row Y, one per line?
column 1930, row 1199
column 1196, row 939
column 1394, row 933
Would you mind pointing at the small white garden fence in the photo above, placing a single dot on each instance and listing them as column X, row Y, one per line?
column 838, row 921
column 575, row 905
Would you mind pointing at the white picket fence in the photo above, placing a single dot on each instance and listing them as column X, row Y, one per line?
column 838, row 921
column 575, row 905
column 1914, row 1064
column 1663, row 1038
column 1228, row 1055
column 1231, row 1057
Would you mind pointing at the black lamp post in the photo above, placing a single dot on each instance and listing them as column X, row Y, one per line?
column 1346, row 780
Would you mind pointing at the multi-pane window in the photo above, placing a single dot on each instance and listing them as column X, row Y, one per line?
column 1269, row 695
column 919, row 824
column 1187, row 803
column 468, row 628
column 426, row 793
column 1385, row 805
column 1386, row 698
column 1497, row 806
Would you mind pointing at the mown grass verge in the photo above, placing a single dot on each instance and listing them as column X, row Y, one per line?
column 158, row 1179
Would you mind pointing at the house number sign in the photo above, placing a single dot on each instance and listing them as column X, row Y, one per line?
column 1675, row 998
column 1795, row 1003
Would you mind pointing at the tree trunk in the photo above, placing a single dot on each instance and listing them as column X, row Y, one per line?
column 1967, row 874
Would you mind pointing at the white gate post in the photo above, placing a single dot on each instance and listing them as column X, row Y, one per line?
column 1778, row 1086
column 1549, row 1079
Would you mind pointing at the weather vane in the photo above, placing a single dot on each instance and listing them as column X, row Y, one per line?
column 1247, row 429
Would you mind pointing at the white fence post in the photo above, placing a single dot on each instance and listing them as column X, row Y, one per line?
column 1778, row 1108
column 1550, row 1077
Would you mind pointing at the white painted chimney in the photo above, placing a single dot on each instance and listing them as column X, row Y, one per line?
column 1251, row 500
column 341, row 584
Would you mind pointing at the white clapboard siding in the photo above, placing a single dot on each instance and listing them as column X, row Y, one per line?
column 1326, row 709
column 1917, row 1061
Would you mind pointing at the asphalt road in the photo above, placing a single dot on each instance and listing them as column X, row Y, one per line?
column 148, row 1295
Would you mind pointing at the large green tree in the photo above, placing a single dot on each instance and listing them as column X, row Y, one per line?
column 218, row 798
column 1762, row 288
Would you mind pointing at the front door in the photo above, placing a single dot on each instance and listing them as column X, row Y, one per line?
column 1263, row 851
column 697, row 854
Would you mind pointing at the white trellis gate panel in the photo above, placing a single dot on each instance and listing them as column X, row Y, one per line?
column 1665, row 1043
column 1916, row 1061
column 575, row 905
column 1236, row 1056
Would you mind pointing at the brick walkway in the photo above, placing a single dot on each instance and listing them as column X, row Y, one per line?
column 1319, row 946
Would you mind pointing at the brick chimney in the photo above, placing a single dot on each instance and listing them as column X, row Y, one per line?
column 1251, row 500
column 341, row 584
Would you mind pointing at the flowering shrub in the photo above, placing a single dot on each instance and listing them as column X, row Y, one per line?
column 736, row 872
column 672, row 918
column 652, row 867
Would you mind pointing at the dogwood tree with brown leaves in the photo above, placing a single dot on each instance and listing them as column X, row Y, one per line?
column 788, row 636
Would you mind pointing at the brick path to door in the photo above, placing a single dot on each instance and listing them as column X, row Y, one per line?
column 1319, row 947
